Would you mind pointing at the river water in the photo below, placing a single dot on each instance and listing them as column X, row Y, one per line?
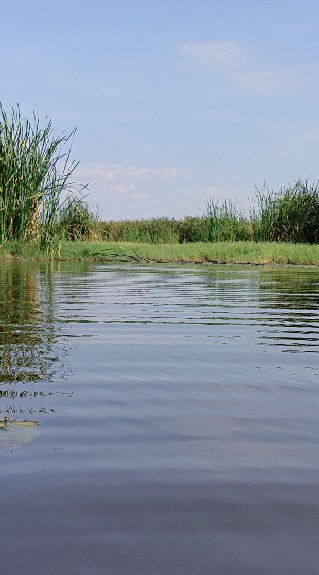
column 179, row 419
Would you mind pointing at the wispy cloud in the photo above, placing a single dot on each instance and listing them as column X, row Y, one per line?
column 225, row 56
column 129, row 181
column 233, row 61
column 268, row 81
column 116, row 172
column 125, row 188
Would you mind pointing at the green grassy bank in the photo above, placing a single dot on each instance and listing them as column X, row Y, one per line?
column 222, row 252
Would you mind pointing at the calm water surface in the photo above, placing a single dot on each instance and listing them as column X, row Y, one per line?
column 179, row 420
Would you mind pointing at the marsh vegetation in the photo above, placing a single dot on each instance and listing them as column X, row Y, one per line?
column 290, row 215
column 42, row 208
column 36, row 179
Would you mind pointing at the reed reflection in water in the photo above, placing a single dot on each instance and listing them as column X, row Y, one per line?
column 31, row 353
column 179, row 419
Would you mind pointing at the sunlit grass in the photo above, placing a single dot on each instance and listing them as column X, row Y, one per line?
column 221, row 252
column 201, row 252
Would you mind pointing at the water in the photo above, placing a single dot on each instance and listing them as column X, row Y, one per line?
column 178, row 411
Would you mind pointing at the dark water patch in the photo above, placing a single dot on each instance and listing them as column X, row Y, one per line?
column 172, row 524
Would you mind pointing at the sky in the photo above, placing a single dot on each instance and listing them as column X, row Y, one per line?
column 175, row 102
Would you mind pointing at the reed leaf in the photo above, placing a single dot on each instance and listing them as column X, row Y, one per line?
column 35, row 176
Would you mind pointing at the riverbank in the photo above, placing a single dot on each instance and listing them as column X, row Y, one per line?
column 259, row 253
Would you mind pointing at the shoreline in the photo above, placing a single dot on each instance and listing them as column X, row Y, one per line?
column 223, row 253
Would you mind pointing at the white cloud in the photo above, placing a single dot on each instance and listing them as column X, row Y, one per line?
column 268, row 81
column 125, row 188
column 124, row 183
column 232, row 60
column 118, row 172
column 218, row 54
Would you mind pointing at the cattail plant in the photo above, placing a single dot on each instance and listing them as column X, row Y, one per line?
column 77, row 221
column 226, row 222
column 290, row 215
column 35, row 177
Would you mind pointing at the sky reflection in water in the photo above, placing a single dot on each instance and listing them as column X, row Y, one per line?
column 179, row 417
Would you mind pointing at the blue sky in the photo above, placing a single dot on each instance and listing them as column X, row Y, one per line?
column 174, row 102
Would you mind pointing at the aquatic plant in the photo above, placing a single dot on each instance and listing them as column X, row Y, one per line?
column 155, row 230
column 290, row 215
column 226, row 222
column 76, row 221
column 35, row 177
column 169, row 230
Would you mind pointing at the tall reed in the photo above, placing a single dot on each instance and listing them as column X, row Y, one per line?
column 226, row 222
column 154, row 231
column 290, row 215
column 77, row 221
column 190, row 229
column 35, row 174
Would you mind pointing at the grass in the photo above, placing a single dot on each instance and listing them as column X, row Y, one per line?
column 221, row 252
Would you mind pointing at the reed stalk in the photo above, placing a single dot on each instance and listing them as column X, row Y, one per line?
column 35, row 177
column 290, row 215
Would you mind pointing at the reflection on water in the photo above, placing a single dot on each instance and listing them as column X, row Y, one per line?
column 30, row 350
column 179, row 419
column 12, row 436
